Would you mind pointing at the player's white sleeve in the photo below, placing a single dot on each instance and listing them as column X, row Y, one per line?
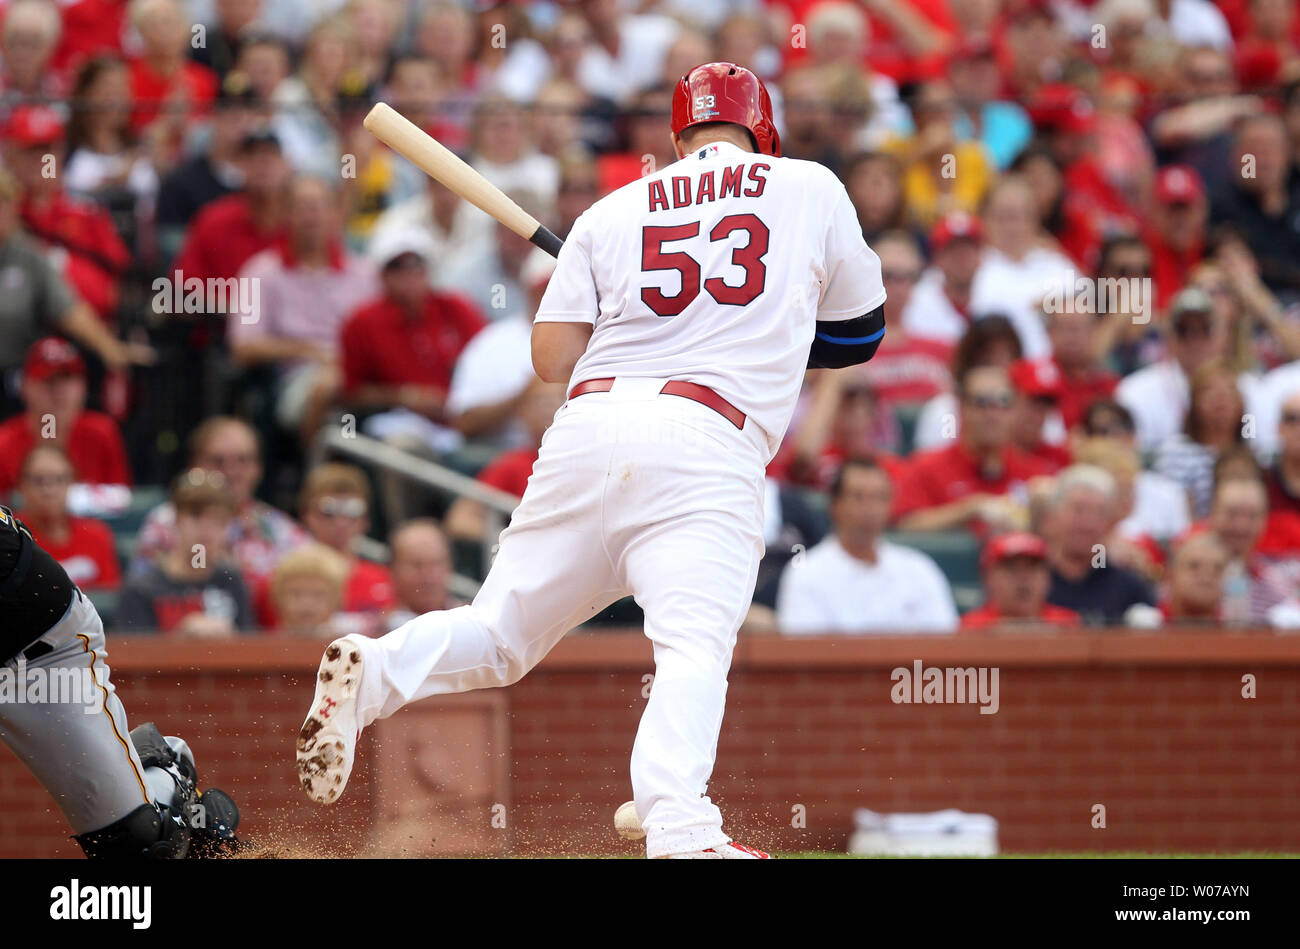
column 852, row 286
column 570, row 295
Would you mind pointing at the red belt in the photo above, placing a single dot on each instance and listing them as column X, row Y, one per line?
column 687, row 390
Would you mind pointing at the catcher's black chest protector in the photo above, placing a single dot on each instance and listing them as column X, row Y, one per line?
column 35, row 592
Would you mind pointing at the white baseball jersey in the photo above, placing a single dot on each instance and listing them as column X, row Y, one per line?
column 715, row 270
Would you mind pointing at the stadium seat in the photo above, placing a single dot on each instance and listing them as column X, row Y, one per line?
column 907, row 416
column 143, row 500
column 106, row 603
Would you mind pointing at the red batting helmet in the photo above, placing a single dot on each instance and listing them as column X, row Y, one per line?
column 725, row 92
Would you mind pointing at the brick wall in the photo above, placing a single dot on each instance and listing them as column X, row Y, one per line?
column 1152, row 726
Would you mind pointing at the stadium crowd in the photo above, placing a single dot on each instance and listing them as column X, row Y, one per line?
column 1087, row 215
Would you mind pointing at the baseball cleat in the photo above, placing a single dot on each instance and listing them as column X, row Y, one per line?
column 327, row 743
column 728, row 851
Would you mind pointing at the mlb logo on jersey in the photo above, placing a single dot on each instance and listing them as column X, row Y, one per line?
column 707, row 152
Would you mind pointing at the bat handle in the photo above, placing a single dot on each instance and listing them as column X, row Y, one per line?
column 544, row 238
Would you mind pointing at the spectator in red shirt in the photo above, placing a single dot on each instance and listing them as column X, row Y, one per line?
column 211, row 173
column 966, row 482
column 1068, row 119
column 1038, row 388
column 90, row 27
column 902, row 39
column 1270, row 49
column 96, row 256
column 509, row 471
column 1016, row 580
column 230, row 230
column 54, row 395
column 399, row 351
column 83, row 546
column 1176, row 231
column 165, row 83
column 334, row 506
column 1034, row 44
column 1075, row 358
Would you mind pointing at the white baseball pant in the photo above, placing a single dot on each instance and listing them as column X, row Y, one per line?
column 636, row 493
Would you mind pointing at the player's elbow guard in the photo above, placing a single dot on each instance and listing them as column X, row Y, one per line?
column 847, row 342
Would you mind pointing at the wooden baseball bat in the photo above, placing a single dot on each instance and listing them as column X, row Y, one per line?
column 435, row 160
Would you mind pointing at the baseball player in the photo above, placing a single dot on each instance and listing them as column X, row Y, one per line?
column 126, row 794
column 683, row 312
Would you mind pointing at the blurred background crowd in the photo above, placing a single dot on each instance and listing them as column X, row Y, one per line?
column 260, row 374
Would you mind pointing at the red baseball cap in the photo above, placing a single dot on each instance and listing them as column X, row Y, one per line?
column 1061, row 107
column 952, row 226
column 1178, row 184
column 31, row 125
column 1037, row 378
column 52, row 356
column 1015, row 544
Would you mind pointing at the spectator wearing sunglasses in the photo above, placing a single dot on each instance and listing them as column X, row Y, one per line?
column 335, row 508
column 981, row 475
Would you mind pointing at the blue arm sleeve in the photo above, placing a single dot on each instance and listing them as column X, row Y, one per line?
column 847, row 342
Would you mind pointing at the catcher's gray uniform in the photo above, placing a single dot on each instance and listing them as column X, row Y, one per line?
column 124, row 793
column 96, row 775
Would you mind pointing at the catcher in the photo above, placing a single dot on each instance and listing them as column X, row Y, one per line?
column 126, row 795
